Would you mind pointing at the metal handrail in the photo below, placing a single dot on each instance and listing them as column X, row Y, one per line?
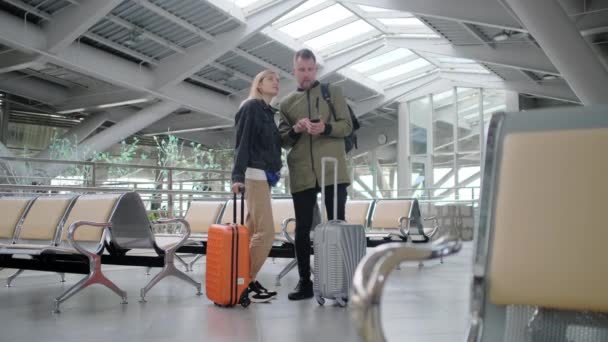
column 372, row 273
column 104, row 189
column 88, row 163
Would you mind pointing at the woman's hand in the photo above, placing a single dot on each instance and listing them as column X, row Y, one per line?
column 301, row 125
column 237, row 187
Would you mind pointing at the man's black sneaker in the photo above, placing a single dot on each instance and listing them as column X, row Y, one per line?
column 302, row 291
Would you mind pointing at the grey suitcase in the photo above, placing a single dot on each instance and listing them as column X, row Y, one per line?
column 338, row 249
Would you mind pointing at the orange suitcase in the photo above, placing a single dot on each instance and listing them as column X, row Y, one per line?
column 227, row 274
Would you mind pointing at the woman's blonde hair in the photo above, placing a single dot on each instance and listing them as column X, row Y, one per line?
column 254, row 91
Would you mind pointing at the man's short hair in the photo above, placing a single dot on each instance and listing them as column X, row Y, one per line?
column 305, row 54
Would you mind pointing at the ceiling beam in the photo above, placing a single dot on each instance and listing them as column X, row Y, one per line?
column 483, row 12
column 393, row 94
column 145, row 33
column 176, row 68
column 113, row 69
column 74, row 21
column 176, row 20
column 566, row 48
column 477, row 33
column 16, row 60
column 32, row 88
column 557, row 90
column 515, row 55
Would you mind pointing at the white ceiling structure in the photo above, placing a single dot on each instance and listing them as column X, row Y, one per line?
column 184, row 66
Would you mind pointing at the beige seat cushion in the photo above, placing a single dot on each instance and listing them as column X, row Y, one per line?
column 551, row 183
column 94, row 208
column 203, row 214
column 43, row 218
column 227, row 216
column 387, row 213
column 11, row 210
column 356, row 212
column 282, row 208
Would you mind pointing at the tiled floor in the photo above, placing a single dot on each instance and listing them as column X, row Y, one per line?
column 422, row 306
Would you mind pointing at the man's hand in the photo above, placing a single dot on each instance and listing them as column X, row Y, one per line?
column 301, row 125
column 316, row 128
column 237, row 187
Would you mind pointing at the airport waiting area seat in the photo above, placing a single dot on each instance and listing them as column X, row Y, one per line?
column 200, row 216
column 401, row 218
column 70, row 233
column 540, row 271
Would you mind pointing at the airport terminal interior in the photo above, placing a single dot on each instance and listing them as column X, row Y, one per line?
column 478, row 176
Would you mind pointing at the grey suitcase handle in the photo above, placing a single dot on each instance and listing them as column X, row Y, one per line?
column 325, row 160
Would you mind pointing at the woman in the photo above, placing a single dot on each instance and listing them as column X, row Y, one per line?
column 257, row 163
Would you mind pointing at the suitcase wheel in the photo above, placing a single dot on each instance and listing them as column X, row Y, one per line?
column 320, row 300
column 244, row 300
column 341, row 302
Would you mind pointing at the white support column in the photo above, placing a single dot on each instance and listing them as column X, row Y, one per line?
column 404, row 172
column 456, row 137
column 373, row 163
column 482, row 128
column 555, row 32
column 512, row 99
column 430, row 148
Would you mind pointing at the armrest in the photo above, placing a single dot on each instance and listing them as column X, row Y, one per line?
column 74, row 227
column 404, row 230
column 284, row 232
column 184, row 238
column 435, row 226
column 372, row 273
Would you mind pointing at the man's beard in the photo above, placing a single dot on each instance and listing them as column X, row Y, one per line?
column 306, row 84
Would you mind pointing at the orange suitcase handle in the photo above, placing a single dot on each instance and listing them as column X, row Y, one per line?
column 242, row 209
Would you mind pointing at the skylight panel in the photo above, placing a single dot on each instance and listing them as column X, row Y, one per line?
column 245, row 3
column 305, row 6
column 316, row 21
column 455, row 60
column 372, row 8
column 400, row 69
column 341, row 34
column 408, row 22
column 383, row 59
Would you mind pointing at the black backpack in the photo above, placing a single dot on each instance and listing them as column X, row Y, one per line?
column 350, row 140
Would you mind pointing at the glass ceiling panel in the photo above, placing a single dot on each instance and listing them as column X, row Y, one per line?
column 429, row 35
column 341, row 34
column 401, row 69
column 470, row 68
column 316, row 21
column 408, row 22
column 245, row 3
column 306, row 5
column 455, row 60
column 383, row 59
column 372, row 9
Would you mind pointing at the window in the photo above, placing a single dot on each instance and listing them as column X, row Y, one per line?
column 401, row 69
column 341, row 34
column 316, row 21
column 377, row 61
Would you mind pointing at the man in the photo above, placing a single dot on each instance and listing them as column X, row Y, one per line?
column 311, row 131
